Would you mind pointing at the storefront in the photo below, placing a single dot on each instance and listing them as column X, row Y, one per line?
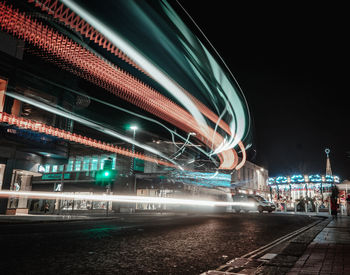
column 78, row 177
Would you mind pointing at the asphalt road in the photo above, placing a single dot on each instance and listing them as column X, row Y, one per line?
column 139, row 244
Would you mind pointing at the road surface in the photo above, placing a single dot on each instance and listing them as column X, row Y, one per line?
column 139, row 244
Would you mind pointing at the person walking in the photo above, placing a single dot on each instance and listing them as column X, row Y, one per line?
column 46, row 208
column 334, row 207
column 348, row 205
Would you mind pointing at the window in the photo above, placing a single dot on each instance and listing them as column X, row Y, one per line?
column 86, row 164
column 61, row 168
column 101, row 163
column 94, row 163
column 114, row 162
column 54, row 168
column 47, row 168
column 70, row 165
column 77, row 166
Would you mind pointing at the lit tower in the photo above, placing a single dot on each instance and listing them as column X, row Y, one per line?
column 328, row 170
column 328, row 165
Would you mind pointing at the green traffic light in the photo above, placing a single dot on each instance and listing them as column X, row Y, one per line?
column 106, row 174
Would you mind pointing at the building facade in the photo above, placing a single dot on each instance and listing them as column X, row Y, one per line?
column 251, row 179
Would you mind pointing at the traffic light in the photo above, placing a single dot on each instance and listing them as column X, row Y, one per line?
column 106, row 175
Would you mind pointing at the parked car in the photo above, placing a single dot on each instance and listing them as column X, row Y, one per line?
column 252, row 203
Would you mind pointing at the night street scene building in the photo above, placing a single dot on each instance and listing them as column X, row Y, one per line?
column 72, row 100
column 128, row 147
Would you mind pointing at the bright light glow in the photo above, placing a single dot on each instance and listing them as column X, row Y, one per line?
column 215, row 174
column 106, row 174
column 118, row 198
column 302, row 179
column 133, row 127
column 142, row 61
column 226, row 90
column 86, row 122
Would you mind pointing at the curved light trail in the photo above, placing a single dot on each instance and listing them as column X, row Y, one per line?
column 55, row 132
column 142, row 61
column 167, row 83
column 73, row 57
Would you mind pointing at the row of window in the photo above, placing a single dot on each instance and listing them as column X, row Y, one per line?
column 86, row 163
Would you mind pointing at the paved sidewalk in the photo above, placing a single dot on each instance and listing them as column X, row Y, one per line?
column 329, row 252
column 319, row 214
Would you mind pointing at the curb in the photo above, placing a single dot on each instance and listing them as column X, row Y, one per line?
column 293, row 246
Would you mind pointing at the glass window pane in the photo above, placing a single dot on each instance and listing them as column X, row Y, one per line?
column 77, row 166
column 102, row 161
column 47, row 168
column 86, row 164
column 114, row 162
column 60, row 168
column 70, row 166
column 54, row 168
column 94, row 163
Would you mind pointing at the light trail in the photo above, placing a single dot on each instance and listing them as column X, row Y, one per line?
column 228, row 69
column 172, row 133
column 226, row 91
column 88, row 123
column 122, row 84
column 61, row 134
column 118, row 198
column 143, row 62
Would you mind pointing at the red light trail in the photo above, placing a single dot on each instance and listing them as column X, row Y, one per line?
column 75, row 58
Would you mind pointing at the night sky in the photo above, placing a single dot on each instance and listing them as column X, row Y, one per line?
column 291, row 63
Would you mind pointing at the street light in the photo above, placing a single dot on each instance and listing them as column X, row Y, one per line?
column 134, row 128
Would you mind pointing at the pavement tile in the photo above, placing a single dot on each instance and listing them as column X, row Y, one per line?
column 295, row 269
column 308, row 272
column 299, row 264
column 329, row 252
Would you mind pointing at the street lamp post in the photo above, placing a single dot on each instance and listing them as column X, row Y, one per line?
column 131, row 173
column 134, row 128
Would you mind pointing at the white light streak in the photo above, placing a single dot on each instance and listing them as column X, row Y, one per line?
column 87, row 122
column 140, row 60
column 119, row 198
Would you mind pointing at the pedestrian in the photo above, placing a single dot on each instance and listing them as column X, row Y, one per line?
column 334, row 207
column 46, row 209
column 348, row 205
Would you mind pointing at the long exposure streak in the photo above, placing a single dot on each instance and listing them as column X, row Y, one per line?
column 117, row 198
column 68, row 17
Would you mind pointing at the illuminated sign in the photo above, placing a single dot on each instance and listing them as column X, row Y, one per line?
column 66, row 176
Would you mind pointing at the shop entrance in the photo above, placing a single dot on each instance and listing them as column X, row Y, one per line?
column 21, row 181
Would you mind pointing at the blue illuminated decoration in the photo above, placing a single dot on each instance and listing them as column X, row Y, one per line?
column 297, row 178
column 281, row 179
column 315, row 178
column 294, row 180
